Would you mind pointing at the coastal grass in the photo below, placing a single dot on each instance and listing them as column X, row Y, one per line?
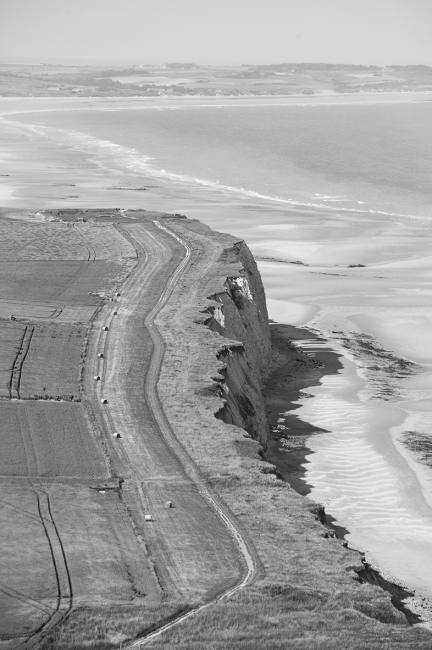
column 101, row 627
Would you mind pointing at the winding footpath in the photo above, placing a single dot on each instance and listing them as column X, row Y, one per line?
column 151, row 460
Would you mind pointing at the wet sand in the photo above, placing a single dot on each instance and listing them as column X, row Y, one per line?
column 294, row 373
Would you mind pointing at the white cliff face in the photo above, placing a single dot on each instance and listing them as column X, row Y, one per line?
column 218, row 315
column 241, row 285
column 238, row 312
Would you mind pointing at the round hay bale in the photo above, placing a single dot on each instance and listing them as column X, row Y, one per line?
column 116, row 435
column 96, row 378
column 168, row 504
column 104, row 401
column 118, row 295
column 105, row 328
column 100, row 355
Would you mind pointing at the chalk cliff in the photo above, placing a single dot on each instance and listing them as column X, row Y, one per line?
column 238, row 312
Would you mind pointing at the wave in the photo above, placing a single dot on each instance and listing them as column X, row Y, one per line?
column 125, row 157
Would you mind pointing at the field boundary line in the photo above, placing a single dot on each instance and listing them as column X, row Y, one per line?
column 15, row 380
column 245, row 549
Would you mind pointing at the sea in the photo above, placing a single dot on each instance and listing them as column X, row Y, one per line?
column 335, row 201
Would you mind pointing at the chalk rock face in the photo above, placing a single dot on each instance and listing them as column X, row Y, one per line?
column 239, row 313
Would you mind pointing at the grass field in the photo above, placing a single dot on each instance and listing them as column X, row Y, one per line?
column 52, row 365
column 59, row 241
column 105, row 241
column 102, row 628
column 47, row 439
column 26, row 599
column 11, row 335
column 62, row 283
column 106, row 563
column 70, row 539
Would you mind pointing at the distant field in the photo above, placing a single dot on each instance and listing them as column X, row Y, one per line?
column 60, row 241
column 11, row 335
column 40, row 438
column 52, row 364
column 63, row 283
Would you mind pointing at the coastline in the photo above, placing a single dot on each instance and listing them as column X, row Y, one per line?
column 288, row 448
column 94, row 191
column 10, row 105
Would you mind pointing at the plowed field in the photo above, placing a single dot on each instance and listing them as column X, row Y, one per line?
column 11, row 335
column 52, row 364
column 60, row 241
column 47, row 439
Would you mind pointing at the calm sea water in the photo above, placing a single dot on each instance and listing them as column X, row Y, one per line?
column 330, row 186
column 372, row 157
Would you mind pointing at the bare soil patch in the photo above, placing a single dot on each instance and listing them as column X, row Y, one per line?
column 52, row 365
column 47, row 439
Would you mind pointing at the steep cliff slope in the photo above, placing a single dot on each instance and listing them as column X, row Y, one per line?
column 238, row 311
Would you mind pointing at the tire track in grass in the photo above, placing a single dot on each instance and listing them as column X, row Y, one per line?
column 61, row 570
column 222, row 511
column 90, row 249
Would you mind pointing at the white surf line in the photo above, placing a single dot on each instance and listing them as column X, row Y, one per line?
column 202, row 489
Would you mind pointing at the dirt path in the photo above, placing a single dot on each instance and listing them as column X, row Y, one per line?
column 198, row 551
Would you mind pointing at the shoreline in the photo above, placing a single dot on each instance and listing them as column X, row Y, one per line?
column 79, row 103
column 288, row 451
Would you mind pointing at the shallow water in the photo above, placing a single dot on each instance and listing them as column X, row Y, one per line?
column 326, row 186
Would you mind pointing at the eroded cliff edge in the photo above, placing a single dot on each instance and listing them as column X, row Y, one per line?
column 216, row 360
column 238, row 312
